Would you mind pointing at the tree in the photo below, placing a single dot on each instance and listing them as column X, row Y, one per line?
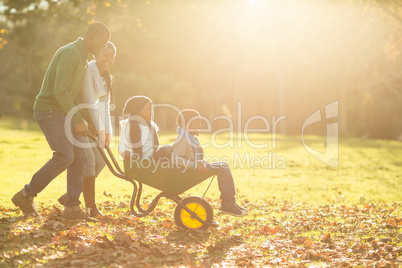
column 278, row 58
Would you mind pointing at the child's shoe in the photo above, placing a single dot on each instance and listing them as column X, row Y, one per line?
column 233, row 210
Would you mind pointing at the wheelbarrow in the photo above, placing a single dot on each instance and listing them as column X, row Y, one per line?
column 193, row 212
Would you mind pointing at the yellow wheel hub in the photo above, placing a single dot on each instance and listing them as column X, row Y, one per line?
column 188, row 220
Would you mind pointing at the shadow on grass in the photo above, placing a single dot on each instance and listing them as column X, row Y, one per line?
column 6, row 222
column 219, row 250
column 215, row 252
column 190, row 237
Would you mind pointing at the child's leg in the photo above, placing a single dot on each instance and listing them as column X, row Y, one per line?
column 225, row 182
column 164, row 152
column 227, row 188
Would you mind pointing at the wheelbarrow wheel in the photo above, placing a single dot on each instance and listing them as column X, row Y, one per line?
column 200, row 207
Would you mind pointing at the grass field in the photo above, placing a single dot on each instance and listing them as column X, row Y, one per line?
column 298, row 207
column 369, row 171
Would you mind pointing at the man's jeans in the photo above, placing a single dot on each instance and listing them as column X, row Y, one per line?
column 225, row 182
column 65, row 156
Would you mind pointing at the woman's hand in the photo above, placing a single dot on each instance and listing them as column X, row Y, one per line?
column 102, row 138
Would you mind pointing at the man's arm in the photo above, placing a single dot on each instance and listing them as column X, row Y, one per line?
column 66, row 66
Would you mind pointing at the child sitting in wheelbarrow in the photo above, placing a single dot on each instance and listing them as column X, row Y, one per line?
column 139, row 141
column 188, row 151
column 139, row 133
column 144, row 160
column 138, row 145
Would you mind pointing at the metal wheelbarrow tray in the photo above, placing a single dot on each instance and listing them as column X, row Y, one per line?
column 192, row 212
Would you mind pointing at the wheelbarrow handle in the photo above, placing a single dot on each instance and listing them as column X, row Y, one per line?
column 93, row 138
column 103, row 154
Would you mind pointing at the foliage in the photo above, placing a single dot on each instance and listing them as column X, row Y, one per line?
column 277, row 59
column 305, row 215
column 275, row 234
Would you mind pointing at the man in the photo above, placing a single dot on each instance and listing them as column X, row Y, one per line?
column 61, row 85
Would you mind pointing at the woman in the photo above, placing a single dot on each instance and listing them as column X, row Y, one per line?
column 97, row 91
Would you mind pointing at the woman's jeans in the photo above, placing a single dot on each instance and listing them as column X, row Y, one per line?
column 95, row 162
column 65, row 156
column 225, row 182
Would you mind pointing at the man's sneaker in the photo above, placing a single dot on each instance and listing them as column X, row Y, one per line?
column 62, row 199
column 76, row 213
column 233, row 210
column 25, row 202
